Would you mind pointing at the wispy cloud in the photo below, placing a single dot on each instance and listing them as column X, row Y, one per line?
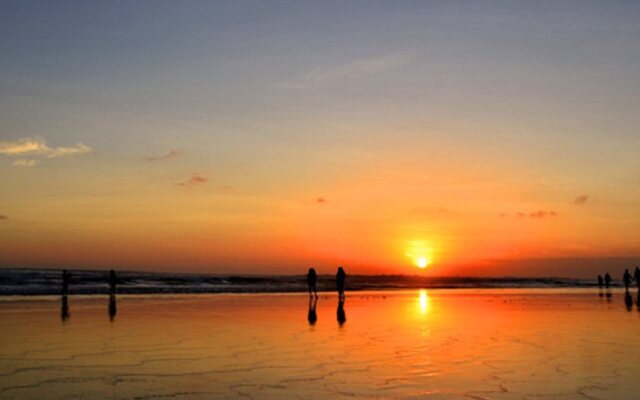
column 324, row 76
column 534, row 214
column 580, row 200
column 23, row 162
column 169, row 155
column 3, row 217
column 321, row 200
column 543, row 214
column 36, row 147
column 194, row 180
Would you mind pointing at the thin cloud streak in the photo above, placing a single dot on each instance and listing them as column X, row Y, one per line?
column 25, row 163
column 539, row 214
column 171, row 154
column 321, row 77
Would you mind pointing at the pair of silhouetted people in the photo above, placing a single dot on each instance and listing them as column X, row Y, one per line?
column 312, row 282
column 66, row 281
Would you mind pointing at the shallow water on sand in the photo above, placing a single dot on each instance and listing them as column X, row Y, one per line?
column 442, row 344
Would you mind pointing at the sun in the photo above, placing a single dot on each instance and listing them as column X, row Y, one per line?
column 420, row 253
column 422, row 262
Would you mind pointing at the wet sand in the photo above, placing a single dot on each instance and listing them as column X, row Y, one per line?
column 440, row 344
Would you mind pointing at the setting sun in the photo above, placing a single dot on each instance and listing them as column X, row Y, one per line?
column 422, row 262
column 420, row 253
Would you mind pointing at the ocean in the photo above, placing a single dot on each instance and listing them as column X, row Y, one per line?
column 49, row 282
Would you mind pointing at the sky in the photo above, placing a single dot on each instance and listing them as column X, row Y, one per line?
column 480, row 138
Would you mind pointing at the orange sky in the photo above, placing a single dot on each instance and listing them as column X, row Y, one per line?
column 495, row 140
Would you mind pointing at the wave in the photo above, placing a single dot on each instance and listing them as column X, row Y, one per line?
column 49, row 282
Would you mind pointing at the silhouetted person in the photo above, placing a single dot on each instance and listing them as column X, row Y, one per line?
column 64, row 308
column 600, row 281
column 628, row 300
column 607, row 280
column 636, row 277
column 312, row 278
column 112, row 306
column 312, row 317
column 66, row 279
column 341, row 277
column 112, row 282
column 626, row 278
column 342, row 317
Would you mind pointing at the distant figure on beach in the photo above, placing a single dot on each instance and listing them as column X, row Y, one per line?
column 342, row 317
column 312, row 316
column 626, row 278
column 607, row 280
column 112, row 282
column 341, row 277
column 600, row 281
column 312, row 277
column 636, row 277
column 66, row 279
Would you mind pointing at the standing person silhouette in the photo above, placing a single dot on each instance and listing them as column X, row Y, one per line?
column 112, row 282
column 636, row 276
column 312, row 278
column 607, row 280
column 341, row 277
column 66, row 279
column 626, row 278
column 600, row 281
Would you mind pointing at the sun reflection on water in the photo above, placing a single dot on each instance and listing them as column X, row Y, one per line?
column 423, row 301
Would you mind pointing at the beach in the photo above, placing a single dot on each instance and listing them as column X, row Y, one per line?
column 417, row 344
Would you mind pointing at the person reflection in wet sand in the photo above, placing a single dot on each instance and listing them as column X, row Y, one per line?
column 112, row 306
column 64, row 308
column 342, row 317
column 312, row 316
column 113, row 280
column 628, row 300
column 312, row 278
column 341, row 278
column 607, row 284
column 600, row 285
